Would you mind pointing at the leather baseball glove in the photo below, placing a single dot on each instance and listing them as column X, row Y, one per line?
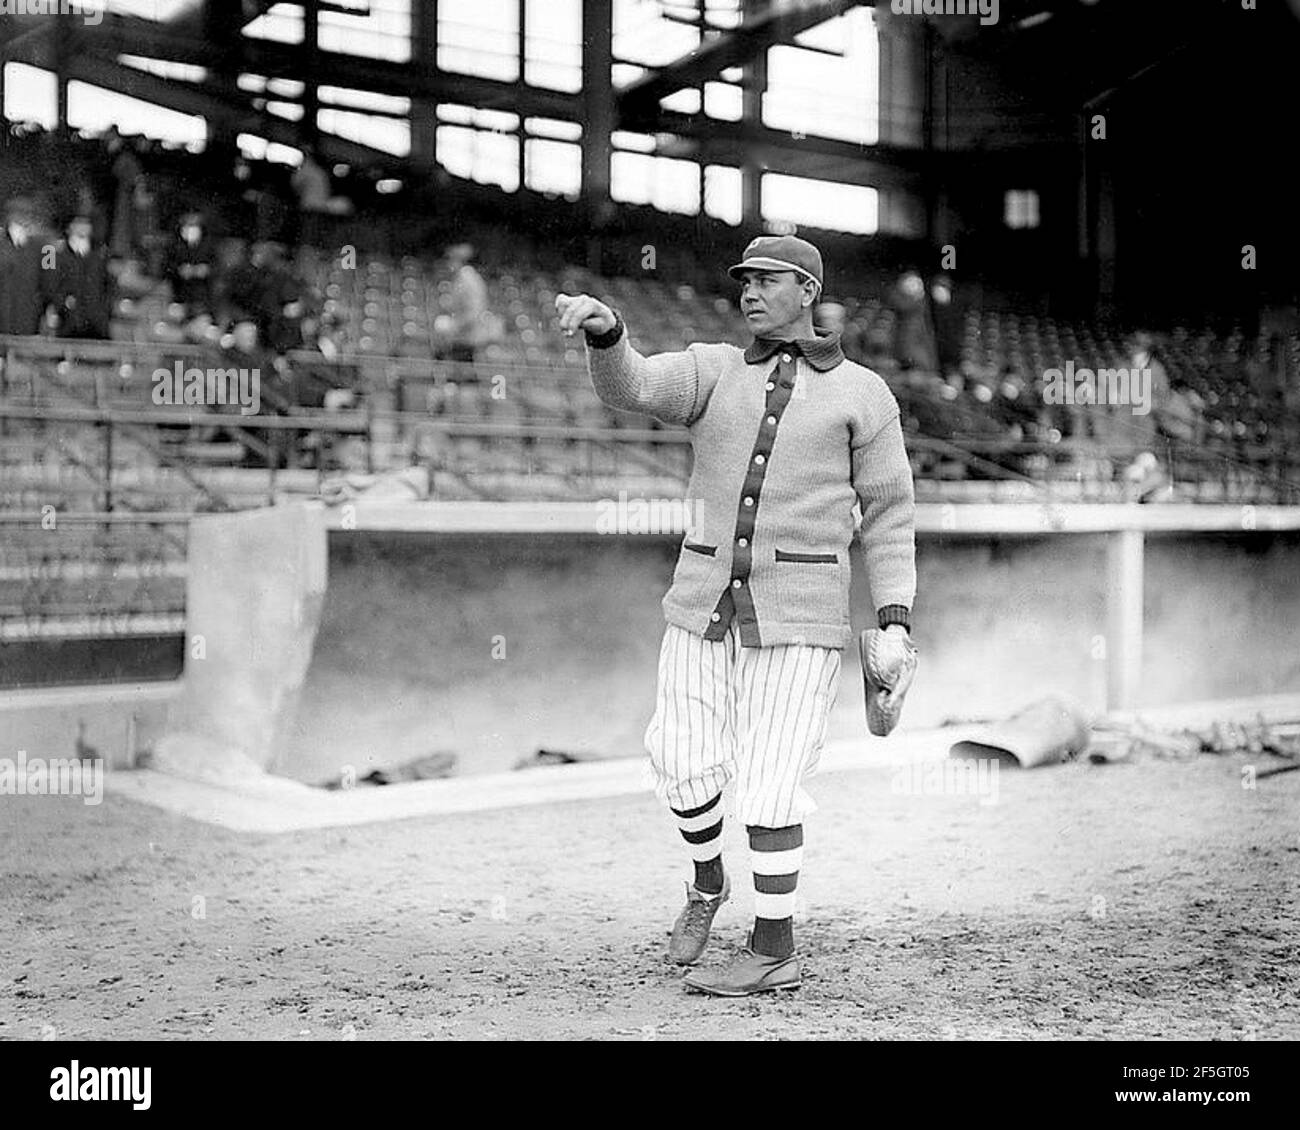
column 889, row 659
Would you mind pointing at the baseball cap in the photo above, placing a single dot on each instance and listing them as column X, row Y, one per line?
column 781, row 253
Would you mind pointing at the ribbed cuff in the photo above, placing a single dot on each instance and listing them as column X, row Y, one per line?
column 609, row 337
column 894, row 614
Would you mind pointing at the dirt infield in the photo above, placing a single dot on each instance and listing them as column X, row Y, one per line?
column 1155, row 900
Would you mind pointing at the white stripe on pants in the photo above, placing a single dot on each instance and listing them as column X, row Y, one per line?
column 756, row 713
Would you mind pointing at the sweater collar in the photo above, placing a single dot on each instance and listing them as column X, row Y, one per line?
column 822, row 352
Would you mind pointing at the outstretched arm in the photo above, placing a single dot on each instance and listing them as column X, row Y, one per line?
column 665, row 386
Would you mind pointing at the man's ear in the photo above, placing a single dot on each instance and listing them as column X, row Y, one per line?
column 809, row 293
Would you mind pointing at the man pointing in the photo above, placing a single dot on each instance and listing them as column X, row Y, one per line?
column 789, row 438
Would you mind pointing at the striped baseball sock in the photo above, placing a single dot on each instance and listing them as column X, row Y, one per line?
column 701, row 828
column 777, row 855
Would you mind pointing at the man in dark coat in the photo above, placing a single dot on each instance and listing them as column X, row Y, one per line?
column 23, row 285
column 266, row 291
column 81, row 290
column 191, row 266
column 913, row 329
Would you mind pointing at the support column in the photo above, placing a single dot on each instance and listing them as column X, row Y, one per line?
column 598, row 100
column 62, row 54
column 424, row 59
column 902, row 78
column 311, row 49
column 902, row 113
column 751, row 172
column 1125, row 551
column 1107, row 247
column 221, row 23
column 521, row 141
column 929, row 188
column 754, row 80
column 1097, row 243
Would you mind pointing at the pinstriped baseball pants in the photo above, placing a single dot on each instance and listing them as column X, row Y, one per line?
column 757, row 714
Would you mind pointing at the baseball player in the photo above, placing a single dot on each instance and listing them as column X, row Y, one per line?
column 789, row 437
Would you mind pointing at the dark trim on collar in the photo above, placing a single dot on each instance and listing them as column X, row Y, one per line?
column 822, row 352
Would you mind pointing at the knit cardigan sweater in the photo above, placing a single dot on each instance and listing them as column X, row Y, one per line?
column 789, row 438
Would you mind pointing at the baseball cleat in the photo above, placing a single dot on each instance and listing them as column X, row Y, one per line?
column 691, row 930
column 747, row 974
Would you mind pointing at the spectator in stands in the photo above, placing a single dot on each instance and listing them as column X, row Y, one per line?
column 147, row 231
column 311, row 183
column 1183, row 417
column 127, row 172
column 1013, row 407
column 85, row 203
column 104, row 183
column 1278, row 327
column 264, row 290
column 468, row 311
column 24, row 286
column 289, row 386
column 913, row 333
column 262, row 195
column 326, row 377
column 1144, row 432
column 240, row 290
column 948, row 326
column 287, row 299
column 1144, row 480
column 242, row 349
column 81, row 292
column 319, row 379
column 191, row 267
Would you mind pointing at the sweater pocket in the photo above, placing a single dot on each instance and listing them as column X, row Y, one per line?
column 810, row 588
column 695, row 578
column 807, row 558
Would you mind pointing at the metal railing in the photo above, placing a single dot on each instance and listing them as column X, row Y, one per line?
column 541, row 402
column 91, row 574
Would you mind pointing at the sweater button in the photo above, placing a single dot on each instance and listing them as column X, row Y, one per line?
column 737, row 583
column 771, row 420
column 716, row 617
column 743, row 542
column 749, row 502
column 770, row 386
column 786, row 358
column 759, row 459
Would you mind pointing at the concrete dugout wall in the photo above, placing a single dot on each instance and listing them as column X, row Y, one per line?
column 493, row 645
column 255, row 588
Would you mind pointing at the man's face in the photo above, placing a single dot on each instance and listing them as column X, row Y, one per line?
column 245, row 335
column 79, row 231
column 774, row 301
